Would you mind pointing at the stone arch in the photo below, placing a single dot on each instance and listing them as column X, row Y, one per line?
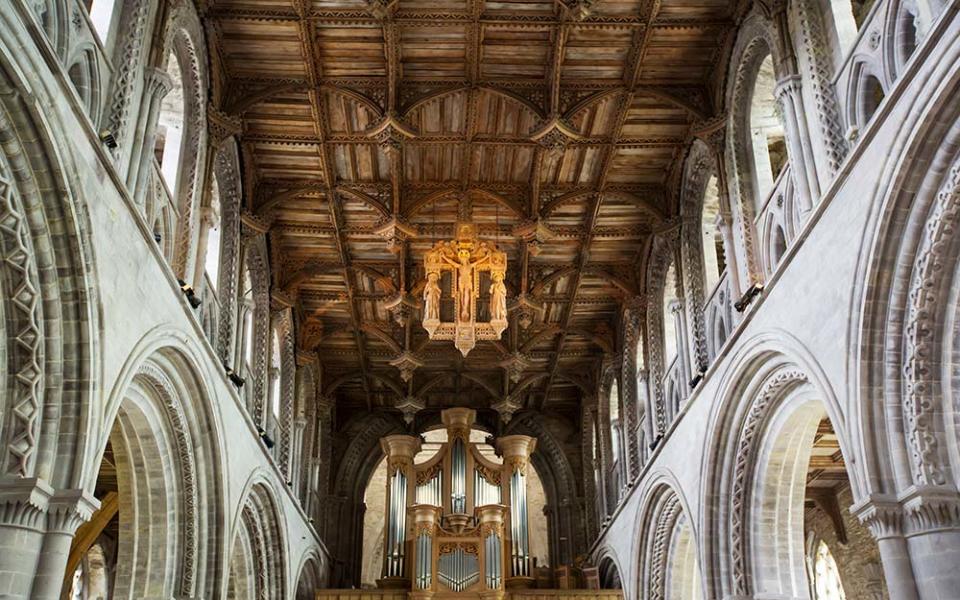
column 668, row 563
column 84, row 73
column 258, row 560
column 662, row 253
column 50, row 301
column 868, row 88
column 284, row 330
column 54, row 18
column 566, row 529
column 609, row 572
column 184, row 41
column 309, row 576
column 226, row 170
column 697, row 171
column 255, row 261
column 910, row 305
column 164, row 442
column 772, row 399
column 344, row 514
column 755, row 42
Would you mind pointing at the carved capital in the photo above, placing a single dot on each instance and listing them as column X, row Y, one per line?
column 221, row 125
column 23, row 502
column 881, row 515
column 931, row 508
column 156, row 83
column 69, row 509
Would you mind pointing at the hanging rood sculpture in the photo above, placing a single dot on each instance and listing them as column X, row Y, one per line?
column 465, row 258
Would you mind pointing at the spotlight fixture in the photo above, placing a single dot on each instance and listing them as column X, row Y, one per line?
column 748, row 297
column 157, row 237
column 697, row 378
column 233, row 377
column 106, row 136
column 656, row 441
column 267, row 440
column 191, row 295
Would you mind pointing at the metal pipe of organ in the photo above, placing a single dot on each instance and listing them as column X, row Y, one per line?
column 518, row 524
column 485, row 492
column 424, row 560
column 458, row 477
column 493, row 568
column 431, row 492
column 397, row 524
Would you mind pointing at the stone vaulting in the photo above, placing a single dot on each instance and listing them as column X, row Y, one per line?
column 721, row 360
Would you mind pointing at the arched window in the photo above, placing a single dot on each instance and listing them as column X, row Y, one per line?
column 275, row 373
column 211, row 261
column 766, row 133
column 169, row 140
column 247, row 308
column 669, row 320
column 712, row 240
column 826, row 576
column 614, row 403
column 101, row 16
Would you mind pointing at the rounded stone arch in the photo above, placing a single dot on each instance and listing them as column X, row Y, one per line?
column 183, row 41
column 83, row 70
column 667, row 548
column 343, row 517
column 609, row 571
column 258, row 557
column 254, row 259
column 226, row 170
column 661, row 255
column 754, row 43
column 310, row 576
column 909, row 304
column 54, row 18
column 165, row 439
column 772, row 398
column 49, row 297
column 566, row 529
column 867, row 88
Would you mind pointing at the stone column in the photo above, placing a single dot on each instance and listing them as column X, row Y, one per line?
column 790, row 98
column 66, row 512
column 683, row 346
column 884, row 518
column 932, row 515
column 23, row 507
column 725, row 226
column 208, row 219
column 157, row 84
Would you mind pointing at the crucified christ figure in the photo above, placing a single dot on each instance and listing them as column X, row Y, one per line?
column 465, row 270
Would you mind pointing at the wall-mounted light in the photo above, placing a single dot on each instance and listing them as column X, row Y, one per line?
column 267, row 440
column 748, row 297
column 697, row 378
column 106, row 137
column 233, row 377
column 191, row 295
column 656, row 441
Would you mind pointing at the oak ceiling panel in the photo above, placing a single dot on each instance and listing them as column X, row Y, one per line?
column 283, row 116
column 433, row 52
column 510, row 52
column 502, row 116
column 638, row 164
column 596, row 53
column 499, row 164
column 621, row 9
column 571, row 209
column 433, row 6
column 346, row 115
column 652, row 117
column 577, row 165
column 623, row 245
column 525, row 8
column 268, row 6
column 683, row 55
column 252, row 47
column 360, row 163
column 354, row 51
column 432, row 162
column 694, row 9
column 307, row 209
column 597, row 118
column 340, row 5
column 288, row 161
column 441, row 115
column 622, row 209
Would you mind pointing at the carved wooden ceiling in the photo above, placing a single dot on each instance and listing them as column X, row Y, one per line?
column 369, row 128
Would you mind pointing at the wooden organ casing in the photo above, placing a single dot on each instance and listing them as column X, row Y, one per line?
column 457, row 524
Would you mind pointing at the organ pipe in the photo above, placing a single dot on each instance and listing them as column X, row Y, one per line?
column 458, row 477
